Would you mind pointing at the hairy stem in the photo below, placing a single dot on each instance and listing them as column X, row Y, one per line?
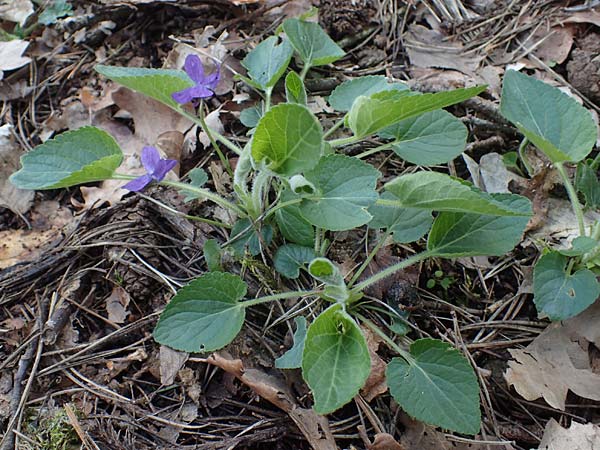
column 304, row 71
column 524, row 158
column 209, row 133
column 282, row 296
column 391, row 270
column 335, row 126
column 370, row 257
column 375, row 150
column 204, row 193
column 344, row 141
column 389, row 341
column 577, row 209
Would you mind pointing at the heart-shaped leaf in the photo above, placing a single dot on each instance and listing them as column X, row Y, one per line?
column 288, row 139
column 406, row 224
column 75, row 157
column 437, row 386
column 459, row 234
column 372, row 114
column 205, row 315
column 267, row 62
column 345, row 189
column 290, row 258
column 586, row 182
column 343, row 96
column 434, row 191
column 558, row 125
column 292, row 359
column 311, row 42
column 561, row 295
column 335, row 362
column 294, row 227
column 158, row 84
column 294, row 89
column 432, row 138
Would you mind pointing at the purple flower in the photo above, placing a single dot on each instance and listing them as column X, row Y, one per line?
column 204, row 85
column 156, row 169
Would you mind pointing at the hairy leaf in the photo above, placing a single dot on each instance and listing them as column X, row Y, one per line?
column 75, row 157
column 437, row 386
column 267, row 62
column 294, row 89
column 558, row 125
column 290, row 258
column 205, row 315
column 311, row 42
column 292, row 359
column 406, row 224
column 288, row 139
column 335, row 362
column 343, row 96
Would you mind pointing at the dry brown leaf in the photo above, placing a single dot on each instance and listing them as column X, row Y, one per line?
column 15, row 11
column 17, row 200
column 551, row 45
column 315, row 428
column 418, row 436
column 116, row 305
column 48, row 219
column 385, row 441
column 430, row 48
column 577, row 437
column 11, row 55
column 590, row 16
column 558, row 360
column 375, row 384
column 171, row 361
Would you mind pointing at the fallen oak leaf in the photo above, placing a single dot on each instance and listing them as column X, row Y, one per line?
column 314, row 427
column 577, row 437
column 558, row 361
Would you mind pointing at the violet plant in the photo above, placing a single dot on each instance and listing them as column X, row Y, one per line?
column 294, row 186
column 564, row 280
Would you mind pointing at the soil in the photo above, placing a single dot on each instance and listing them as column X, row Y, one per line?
column 584, row 67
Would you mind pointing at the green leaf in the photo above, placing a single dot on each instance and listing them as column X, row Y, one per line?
column 432, row 138
column 294, row 227
column 288, row 139
column 75, row 157
column 558, row 125
column 268, row 61
column 290, row 258
column 292, row 359
column 459, row 234
column 246, row 238
column 54, row 11
column 343, row 96
column 558, row 294
column 212, row 255
column 345, row 189
column 311, row 42
column 205, row 315
column 335, row 362
column 586, row 182
column 198, row 178
column 325, row 271
column 406, row 224
column 294, row 89
column 158, row 84
column 372, row 114
column 434, row 191
column 580, row 246
column 252, row 115
column 437, row 386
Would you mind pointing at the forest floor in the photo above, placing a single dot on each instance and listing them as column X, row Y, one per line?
column 84, row 272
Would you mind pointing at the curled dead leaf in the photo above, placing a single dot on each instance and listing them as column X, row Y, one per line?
column 577, row 437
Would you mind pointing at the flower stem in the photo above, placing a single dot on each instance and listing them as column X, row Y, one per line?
column 344, row 141
column 392, row 269
column 370, row 257
column 403, row 353
column 524, row 158
column 204, row 193
column 219, row 137
column 572, row 197
column 374, row 150
column 335, row 126
column 281, row 296
column 209, row 133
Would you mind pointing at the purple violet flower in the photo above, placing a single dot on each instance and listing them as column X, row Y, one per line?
column 156, row 169
column 205, row 85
